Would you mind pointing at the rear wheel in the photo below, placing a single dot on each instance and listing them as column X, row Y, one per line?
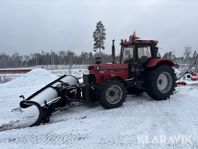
column 160, row 82
column 112, row 94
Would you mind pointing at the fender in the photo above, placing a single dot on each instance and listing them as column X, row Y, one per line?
column 155, row 61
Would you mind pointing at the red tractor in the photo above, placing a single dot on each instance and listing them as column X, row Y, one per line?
column 140, row 69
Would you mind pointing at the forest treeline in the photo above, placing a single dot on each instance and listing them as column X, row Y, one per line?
column 49, row 58
column 69, row 57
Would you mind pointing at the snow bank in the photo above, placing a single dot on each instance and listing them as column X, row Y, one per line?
column 32, row 78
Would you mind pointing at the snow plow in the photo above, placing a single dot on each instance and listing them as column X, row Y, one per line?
column 140, row 69
column 52, row 96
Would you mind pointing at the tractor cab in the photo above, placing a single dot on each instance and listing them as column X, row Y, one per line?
column 137, row 54
column 138, row 51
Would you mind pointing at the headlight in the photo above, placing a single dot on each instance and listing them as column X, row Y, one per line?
column 98, row 68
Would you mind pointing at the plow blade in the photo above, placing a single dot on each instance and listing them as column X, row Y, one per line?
column 52, row 96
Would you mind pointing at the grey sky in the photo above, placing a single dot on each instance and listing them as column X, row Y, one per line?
column 28, row 26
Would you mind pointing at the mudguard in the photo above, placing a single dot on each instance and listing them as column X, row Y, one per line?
column 155, row 61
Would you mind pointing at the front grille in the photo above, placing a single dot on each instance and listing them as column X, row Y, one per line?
column 89, row 78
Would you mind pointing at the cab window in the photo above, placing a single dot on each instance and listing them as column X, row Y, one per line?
column 128, row 54
column 144, row 52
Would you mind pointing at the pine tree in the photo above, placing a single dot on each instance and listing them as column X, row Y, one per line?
column 99, row 37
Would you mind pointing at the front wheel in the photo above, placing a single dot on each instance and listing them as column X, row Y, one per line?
column 160, row 82
column 112, row 94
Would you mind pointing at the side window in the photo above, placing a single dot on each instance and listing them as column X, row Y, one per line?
column 128, row 54
column 144, row 52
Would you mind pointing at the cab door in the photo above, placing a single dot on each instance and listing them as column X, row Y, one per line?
column 143, row 56
column 129, row 57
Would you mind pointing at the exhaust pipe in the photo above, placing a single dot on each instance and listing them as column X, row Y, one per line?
column 113, row 52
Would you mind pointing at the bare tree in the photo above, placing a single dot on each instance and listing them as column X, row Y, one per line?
column 187, row 52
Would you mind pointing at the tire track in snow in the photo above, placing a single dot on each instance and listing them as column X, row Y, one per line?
column 12, row 125
column 48, row 138
column 59, row 116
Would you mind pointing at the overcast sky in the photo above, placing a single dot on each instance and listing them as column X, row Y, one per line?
column 28, row 26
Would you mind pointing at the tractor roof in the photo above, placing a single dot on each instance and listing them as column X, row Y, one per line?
column 135, row 40
column 125, row 43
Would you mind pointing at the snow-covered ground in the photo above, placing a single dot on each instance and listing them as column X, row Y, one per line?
column 91, row 126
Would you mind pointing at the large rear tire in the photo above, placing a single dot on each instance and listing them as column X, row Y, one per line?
column 111, row 94
column 160, row 82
